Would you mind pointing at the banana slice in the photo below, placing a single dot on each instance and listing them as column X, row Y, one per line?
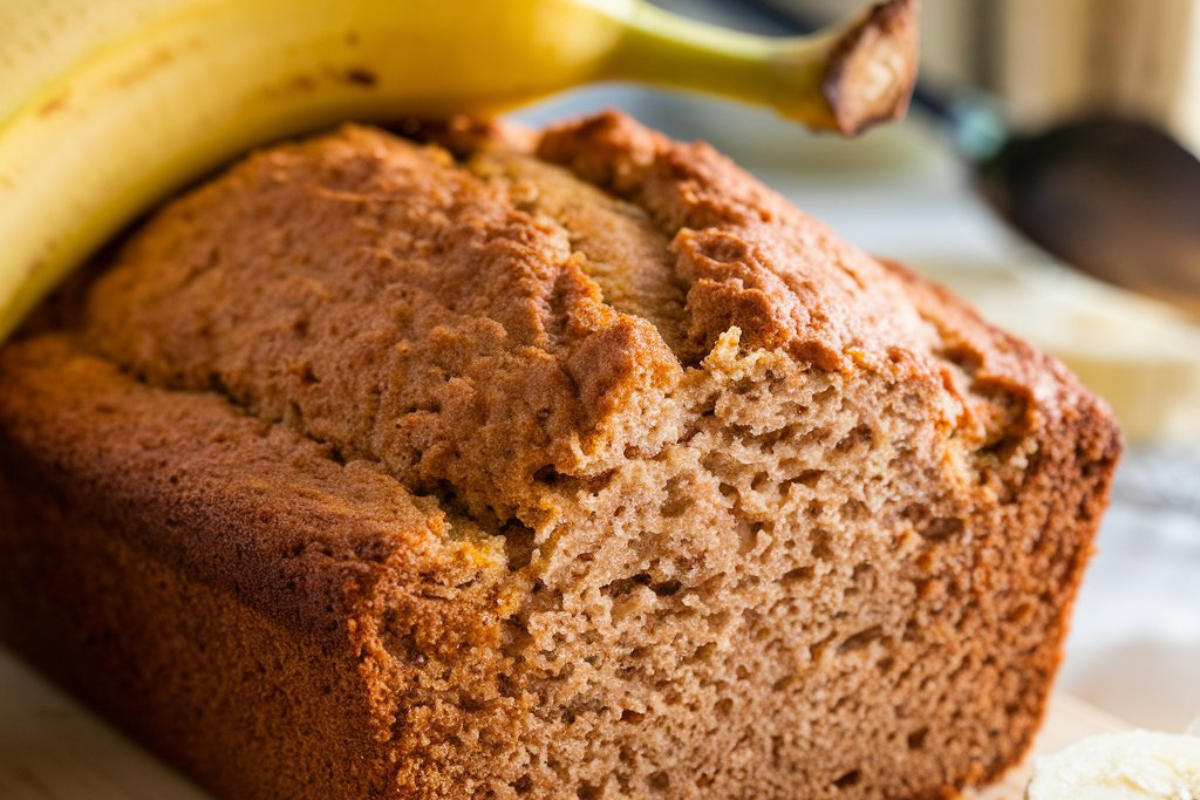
column 1131, row 765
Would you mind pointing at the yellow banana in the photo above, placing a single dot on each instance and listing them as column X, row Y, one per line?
column 108, row 105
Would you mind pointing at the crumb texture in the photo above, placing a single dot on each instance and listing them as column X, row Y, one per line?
column 576, row 465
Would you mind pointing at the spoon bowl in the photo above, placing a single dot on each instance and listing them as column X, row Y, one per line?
column 1116, row 198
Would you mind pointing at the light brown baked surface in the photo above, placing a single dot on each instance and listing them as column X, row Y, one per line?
column 571, row 465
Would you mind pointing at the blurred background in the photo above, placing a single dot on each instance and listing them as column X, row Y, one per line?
column 902, row 190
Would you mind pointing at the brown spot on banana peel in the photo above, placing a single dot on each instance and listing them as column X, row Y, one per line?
column 873, row 67
column 146, row 67
column 295, row 86
column 361, row 76
column 54, row 104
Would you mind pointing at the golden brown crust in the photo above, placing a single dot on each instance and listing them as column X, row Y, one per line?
column 132, row 447
column 579, row 462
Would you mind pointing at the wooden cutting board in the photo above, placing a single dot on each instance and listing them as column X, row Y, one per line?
column 51, row 748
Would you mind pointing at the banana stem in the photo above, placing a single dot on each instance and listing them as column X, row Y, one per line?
column 842, row 79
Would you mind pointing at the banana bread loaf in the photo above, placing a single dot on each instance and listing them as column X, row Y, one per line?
column 513, row 466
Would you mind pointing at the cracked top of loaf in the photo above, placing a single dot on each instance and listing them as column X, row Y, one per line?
column 498, row 305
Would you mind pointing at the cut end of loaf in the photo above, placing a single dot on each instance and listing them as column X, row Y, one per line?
column 698, row 501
